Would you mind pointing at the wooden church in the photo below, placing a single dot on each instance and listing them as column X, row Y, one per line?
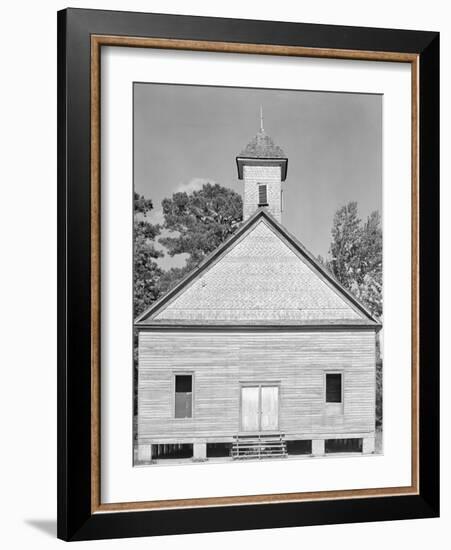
column 259, row 352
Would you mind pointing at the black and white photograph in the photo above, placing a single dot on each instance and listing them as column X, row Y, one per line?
column 257, row 274
column 225, row 266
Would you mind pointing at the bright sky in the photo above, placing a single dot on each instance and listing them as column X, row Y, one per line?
column 187, row 135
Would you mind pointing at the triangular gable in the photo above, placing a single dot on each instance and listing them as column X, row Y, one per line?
column 261, row 275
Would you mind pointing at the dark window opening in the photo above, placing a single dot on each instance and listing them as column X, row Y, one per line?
column 299, row 447
column 183, row 396
column 333, row 387
column 172, row 450
column 218, row 449
column 262, row 195
column 343, row 445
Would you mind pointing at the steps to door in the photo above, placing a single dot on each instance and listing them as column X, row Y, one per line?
column 256, row 446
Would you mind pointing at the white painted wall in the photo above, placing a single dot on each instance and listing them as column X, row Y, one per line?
column 28, row 276
column 269, row 176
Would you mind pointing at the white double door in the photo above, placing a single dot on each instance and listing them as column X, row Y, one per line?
column 259, row 408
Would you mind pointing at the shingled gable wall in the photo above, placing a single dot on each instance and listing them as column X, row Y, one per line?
column 260, row 278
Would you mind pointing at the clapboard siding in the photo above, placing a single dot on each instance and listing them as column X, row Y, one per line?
column 221, row 360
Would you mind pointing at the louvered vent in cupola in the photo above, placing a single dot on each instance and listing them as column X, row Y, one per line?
column 262, row 195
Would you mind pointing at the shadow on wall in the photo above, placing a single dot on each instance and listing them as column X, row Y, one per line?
column 46, row 526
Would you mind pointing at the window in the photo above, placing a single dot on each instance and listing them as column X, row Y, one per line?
column 183, row 396
column 333, row 387
column 262, row 195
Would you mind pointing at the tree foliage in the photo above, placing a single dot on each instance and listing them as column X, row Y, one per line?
column 200, row 222
column 171, row 277
column 369, row 288
column 379, row 392
column 355, row 255
column 147, row 273
column 344, row 249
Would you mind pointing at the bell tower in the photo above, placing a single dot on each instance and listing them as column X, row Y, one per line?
column 263, row 167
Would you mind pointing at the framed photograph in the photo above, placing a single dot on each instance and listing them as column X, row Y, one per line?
column 248, row 274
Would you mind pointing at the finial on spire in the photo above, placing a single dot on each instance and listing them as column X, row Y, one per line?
column 261, row 118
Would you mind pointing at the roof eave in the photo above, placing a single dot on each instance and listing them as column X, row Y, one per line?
column 257, row 325
column 241, row 161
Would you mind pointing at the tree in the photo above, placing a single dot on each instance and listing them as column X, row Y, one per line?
column 200, row 221
column 344, row 249
column 171, row 277
column 379, row 392
column 369, row 288
column 355, row 255
column 146, row 272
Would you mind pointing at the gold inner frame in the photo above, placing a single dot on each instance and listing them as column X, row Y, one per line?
column 97, row 41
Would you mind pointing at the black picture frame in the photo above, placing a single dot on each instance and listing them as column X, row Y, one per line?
column 76, row 521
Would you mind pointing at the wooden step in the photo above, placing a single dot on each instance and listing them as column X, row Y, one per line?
column 257, row 451
column 262, row 442
column 257, row 446
column 250, row 446
column 244, row 457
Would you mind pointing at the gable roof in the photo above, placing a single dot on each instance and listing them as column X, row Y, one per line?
column 261, row 275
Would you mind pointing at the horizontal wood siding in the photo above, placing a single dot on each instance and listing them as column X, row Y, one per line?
column 219, row 361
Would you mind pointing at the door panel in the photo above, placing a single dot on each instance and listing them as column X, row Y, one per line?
column 250, row 409
column 269, row 408
column 259, row 408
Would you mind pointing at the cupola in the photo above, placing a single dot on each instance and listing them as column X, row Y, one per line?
column 263, row 166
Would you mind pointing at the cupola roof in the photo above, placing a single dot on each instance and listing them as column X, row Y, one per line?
column 262, row 146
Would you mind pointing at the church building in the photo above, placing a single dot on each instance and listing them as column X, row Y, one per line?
column 259, row 352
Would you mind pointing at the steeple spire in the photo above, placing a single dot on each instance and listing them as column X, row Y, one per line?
column 261, row 119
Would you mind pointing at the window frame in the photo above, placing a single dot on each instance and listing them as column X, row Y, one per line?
column 173, row 392
column 333, row 403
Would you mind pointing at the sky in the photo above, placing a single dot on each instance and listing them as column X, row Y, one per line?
column 185, row 136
